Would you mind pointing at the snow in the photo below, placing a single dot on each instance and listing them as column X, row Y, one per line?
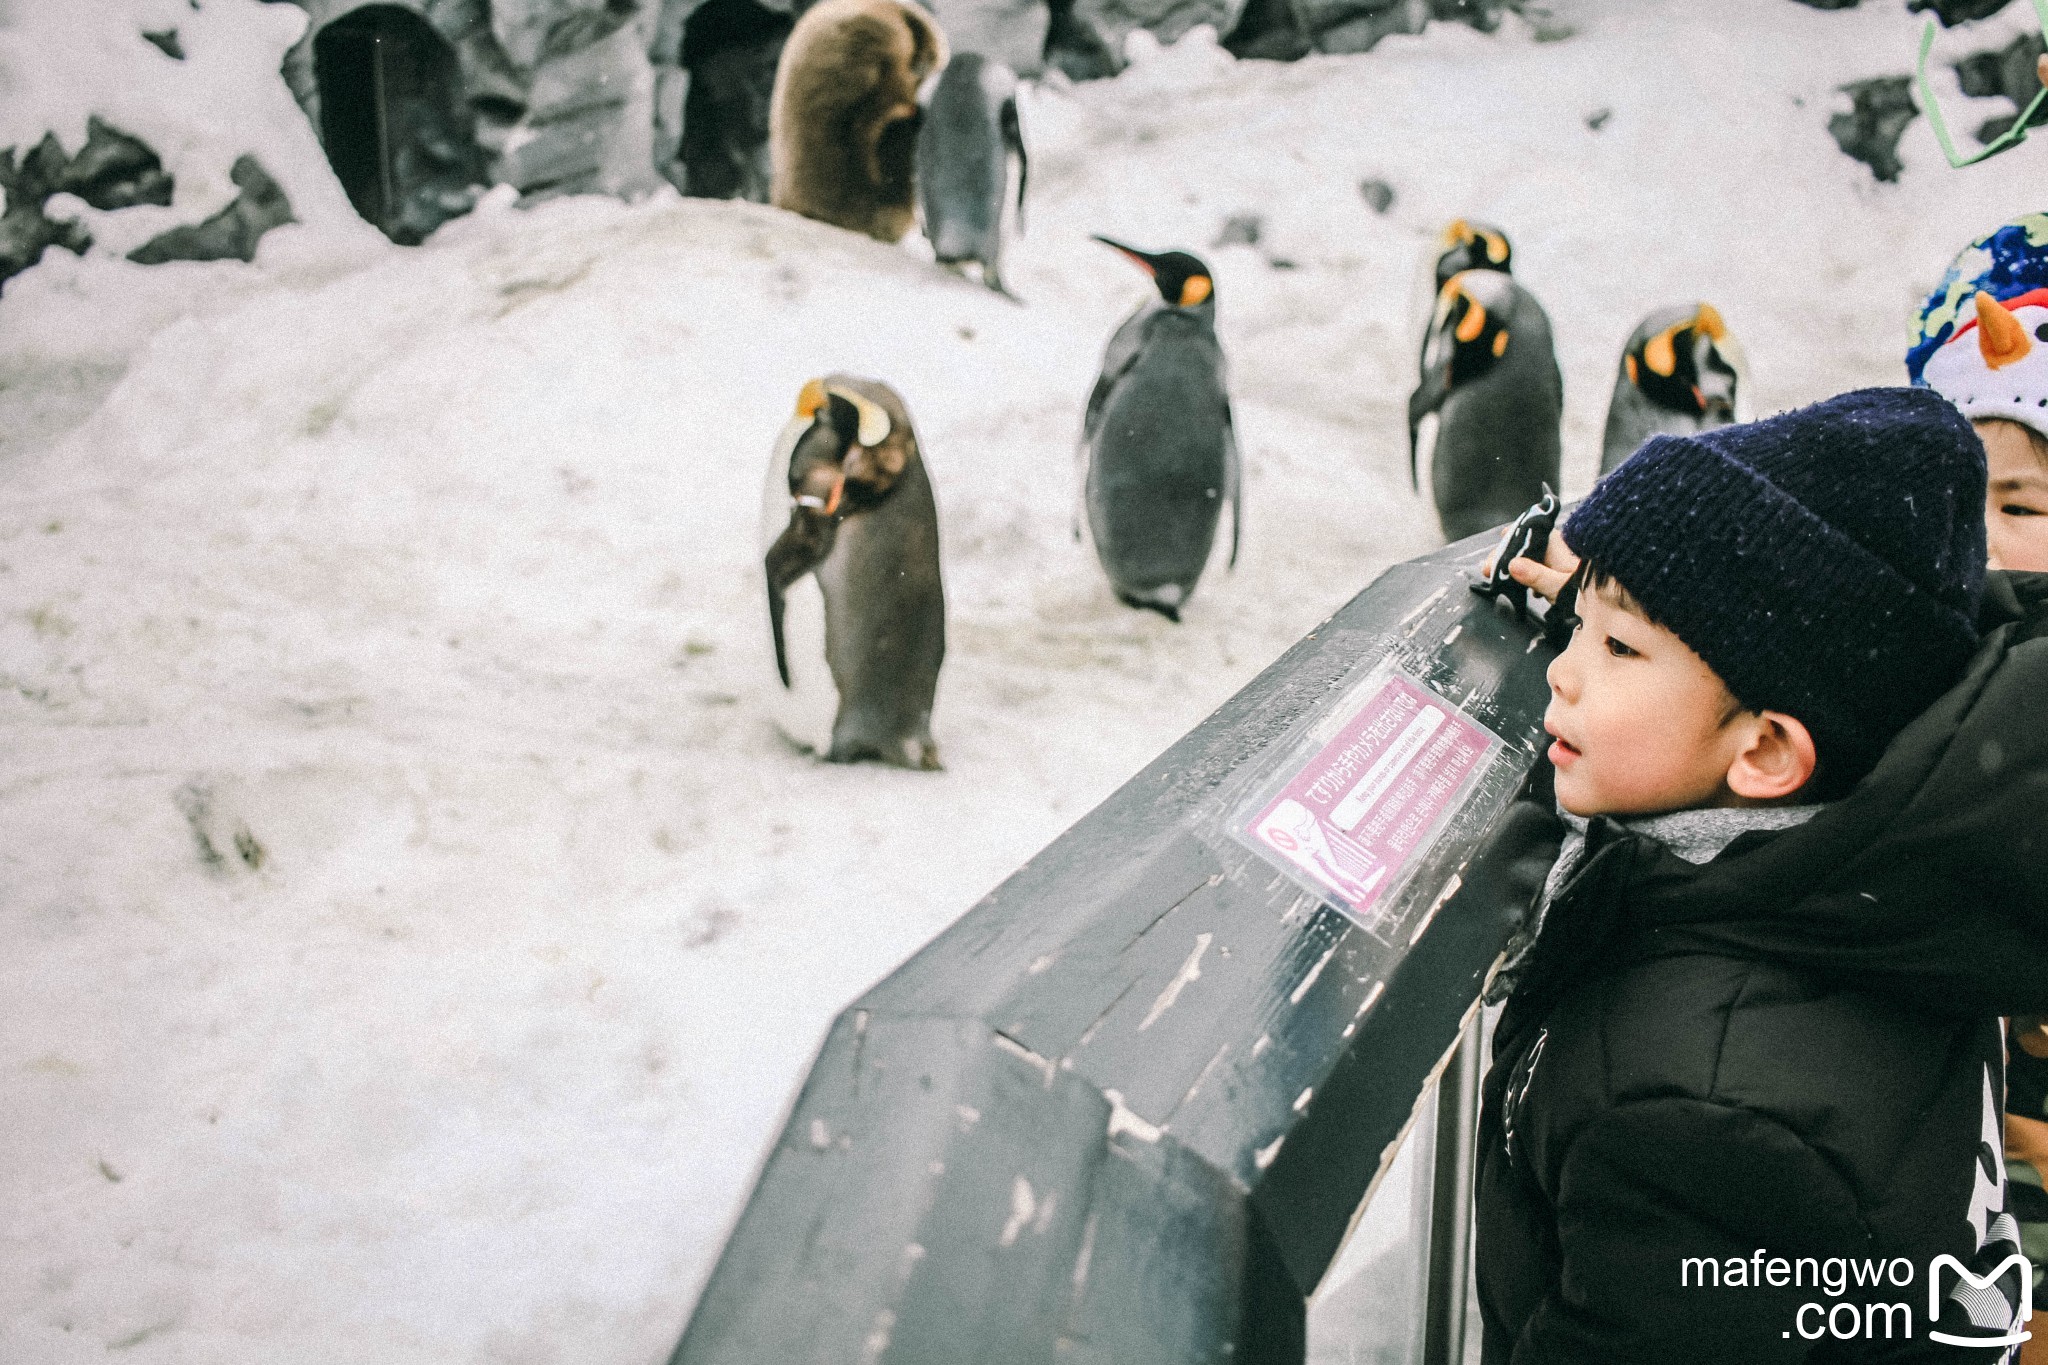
column 422, row 585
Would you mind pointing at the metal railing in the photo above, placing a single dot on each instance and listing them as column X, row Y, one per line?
column 1127, row 1108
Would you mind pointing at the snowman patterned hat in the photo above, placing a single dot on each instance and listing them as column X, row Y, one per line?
column 2010, row 267
column 1995, row 364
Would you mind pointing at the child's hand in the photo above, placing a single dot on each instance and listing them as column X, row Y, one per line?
column 1548, row 578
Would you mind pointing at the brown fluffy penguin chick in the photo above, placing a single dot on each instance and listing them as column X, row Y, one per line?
column 842, row 124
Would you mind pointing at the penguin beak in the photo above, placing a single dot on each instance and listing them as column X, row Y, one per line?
column 1131, row 253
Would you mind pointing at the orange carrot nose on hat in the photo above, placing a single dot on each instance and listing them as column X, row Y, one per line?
column 1995, row 363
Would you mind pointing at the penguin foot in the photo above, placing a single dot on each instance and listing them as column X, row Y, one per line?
column 1169, row 610
column 919, row 755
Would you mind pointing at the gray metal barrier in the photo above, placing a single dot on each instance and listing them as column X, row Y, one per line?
column 1127, row 1107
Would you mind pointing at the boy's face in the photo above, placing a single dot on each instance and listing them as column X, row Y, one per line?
column 2016, row 498
column 1641, row 723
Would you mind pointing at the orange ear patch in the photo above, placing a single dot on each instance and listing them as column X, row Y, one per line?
column 1660, row 352
column 1496, row 247
column 810, row 398
column 1194, row 289
column 1500, row 343
column 1999, row 334
column 1707, row 322
column 1474, row 321
column 1628, row 362
column 1458, row 233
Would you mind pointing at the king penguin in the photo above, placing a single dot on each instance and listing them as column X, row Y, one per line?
column 1467, row 245
column 1679, row 374
column 1464, row 245
column 964, row 146
column 1159, row 451
column 1489, row 373
column 858, row 518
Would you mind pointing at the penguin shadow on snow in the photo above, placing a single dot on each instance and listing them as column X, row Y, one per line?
column 969, row 133
column 856, row 605
column 1486, row 411
column 1158, row 456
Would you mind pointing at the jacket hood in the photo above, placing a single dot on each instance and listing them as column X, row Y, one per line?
column 1929, row 881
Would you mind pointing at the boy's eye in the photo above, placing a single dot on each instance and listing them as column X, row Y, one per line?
column 2016, row 509
column 1618, row 649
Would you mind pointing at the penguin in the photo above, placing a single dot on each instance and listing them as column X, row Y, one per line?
column 1158, row 447
column 1467, row 245
column 843, row 117
column 969, row 133
column 1490, row 374
column 861, row 522
column 1464, row 245
column 1679, row 374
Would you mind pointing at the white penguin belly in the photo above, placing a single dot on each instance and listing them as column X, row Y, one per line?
column 1425, row 453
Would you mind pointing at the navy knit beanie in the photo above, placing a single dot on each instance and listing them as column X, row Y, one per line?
column 1826, row 562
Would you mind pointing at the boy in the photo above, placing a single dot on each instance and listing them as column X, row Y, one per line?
column 1742, row 1089
column 1982, row 343
column 1994, row 367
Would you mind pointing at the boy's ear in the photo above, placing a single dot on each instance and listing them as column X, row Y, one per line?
column 1776, row 760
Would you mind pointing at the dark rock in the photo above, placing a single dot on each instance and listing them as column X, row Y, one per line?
column 1483, row 15
column 730, row 48
column 1358, row 25
column 1598, row 119
column 1953, row 12
column 1267, row 31
column 1078, row 49
column 2007, row 71
column 1870, row 131
column 25, row 231
column 388, row 90
column 1829, row 4
column 166, row 42
column 585, row 28
column 232, row 233
column 42, row 171
column 115, row 170
column 1097, row 28
column 1240, row 229
column 1378, row 193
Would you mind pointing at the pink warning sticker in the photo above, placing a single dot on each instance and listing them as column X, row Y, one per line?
column 1362, row 810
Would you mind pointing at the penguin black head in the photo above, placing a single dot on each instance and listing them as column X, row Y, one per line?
column 841, row 458
column 1182, row 279
column 1467, row 337
column 1467, row 245
column 1471, row 329
column 1681, row 366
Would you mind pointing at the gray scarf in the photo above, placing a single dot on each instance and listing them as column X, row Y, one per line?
column 1698, row 836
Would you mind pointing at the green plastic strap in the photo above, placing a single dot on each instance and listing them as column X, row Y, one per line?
column 2011, row 137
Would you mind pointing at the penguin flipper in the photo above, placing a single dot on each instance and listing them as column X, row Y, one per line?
column 1013, row 138
column 1233, row 480
column 1117, row 358
column 777, row 605
column 797, row 551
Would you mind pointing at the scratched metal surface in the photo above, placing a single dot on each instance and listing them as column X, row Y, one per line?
column 1125, row 1108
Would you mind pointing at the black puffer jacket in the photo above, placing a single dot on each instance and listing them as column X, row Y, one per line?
column 1793, row 1048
